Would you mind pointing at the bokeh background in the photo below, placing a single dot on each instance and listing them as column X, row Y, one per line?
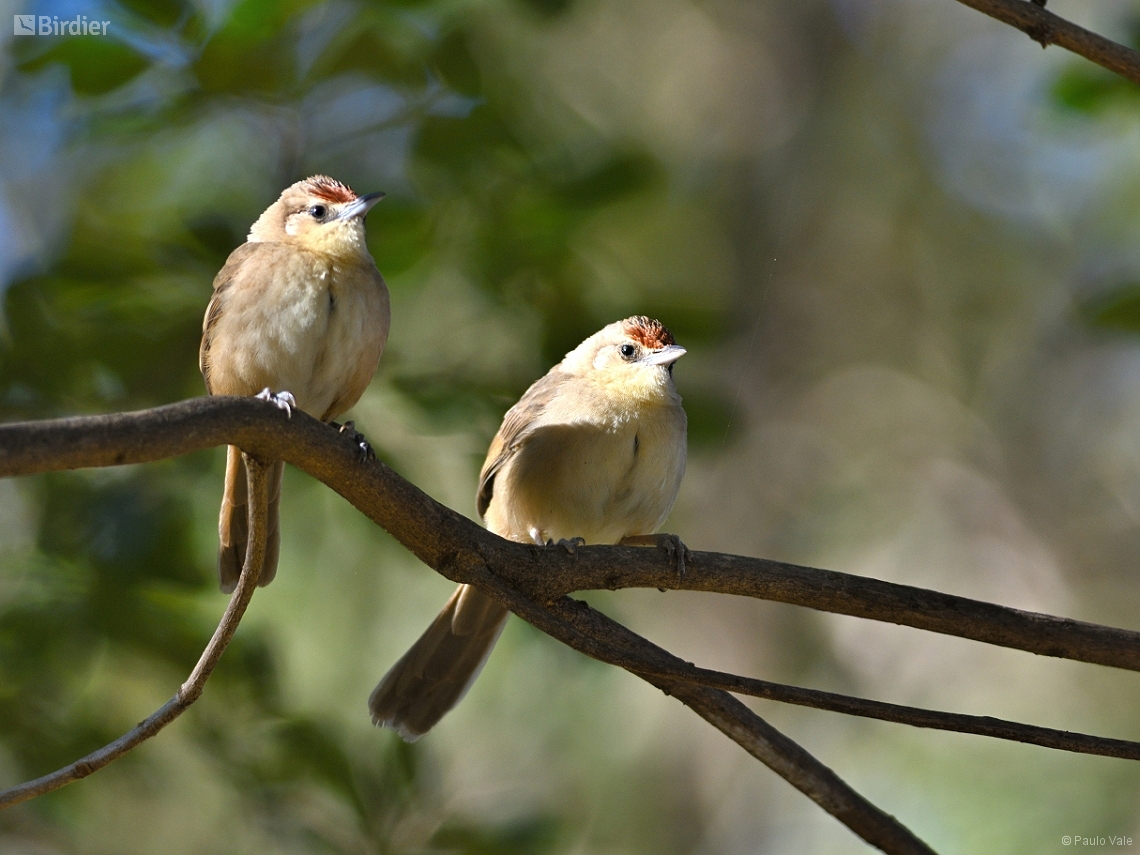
column 899, row 241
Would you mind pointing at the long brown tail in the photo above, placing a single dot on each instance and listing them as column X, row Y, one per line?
column 233, row 523
column 435, row 674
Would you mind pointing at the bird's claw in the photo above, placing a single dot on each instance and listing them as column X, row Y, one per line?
column 282, row 400
column 671, row 543
column 364, row 449
column 570, row 545
column 675, row 548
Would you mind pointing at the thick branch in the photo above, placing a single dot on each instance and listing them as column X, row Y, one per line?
column 437, row 535
column 587, row 631
column 789, row 760
column 1048, row 29
column 604, row 567
column 458, row 548
column 523, row 576
column 189, row 691
column 641, row 657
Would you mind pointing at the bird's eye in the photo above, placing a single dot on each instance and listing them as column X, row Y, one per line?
column 627, row 350
column 318, row 211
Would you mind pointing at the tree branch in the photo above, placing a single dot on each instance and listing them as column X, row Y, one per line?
column 532, row 582
column 459, row 549
column 189, row 691
column 1048, row 29
column 979, row 725
column 795, row 765
column 605, row 567
column 578, row 626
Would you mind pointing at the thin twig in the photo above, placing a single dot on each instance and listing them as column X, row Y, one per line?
column 189, row 691
column 666, row 666
column 578, row 626
column 979, row 725
column 798, row 767
column 1046, row 28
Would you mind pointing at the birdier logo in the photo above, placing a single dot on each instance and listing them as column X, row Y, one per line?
column 51, row 25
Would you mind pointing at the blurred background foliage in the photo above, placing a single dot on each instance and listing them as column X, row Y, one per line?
column 898, row 240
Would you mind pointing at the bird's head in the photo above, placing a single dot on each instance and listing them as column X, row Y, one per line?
column 321, row 214
column 631, row 358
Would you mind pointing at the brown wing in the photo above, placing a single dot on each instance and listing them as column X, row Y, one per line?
column 222, row 283
column 517, row 424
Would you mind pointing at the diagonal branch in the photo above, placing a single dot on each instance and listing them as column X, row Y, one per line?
column 429, row 530
column 795, row 765
column 533, row 581
column 189, row 691
column 458, row 548
column 979, row 725
column 1048, row 29
column 641, row 657
column 578, row 626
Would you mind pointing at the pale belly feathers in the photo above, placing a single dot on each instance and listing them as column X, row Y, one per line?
column 598, row 483
column 310, row 336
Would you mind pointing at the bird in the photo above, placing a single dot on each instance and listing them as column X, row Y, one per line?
column 593, row 452
column 299, row 316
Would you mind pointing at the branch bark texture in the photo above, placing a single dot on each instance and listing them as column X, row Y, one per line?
column 1047, row 28
column 459, row 549
column 533, row 582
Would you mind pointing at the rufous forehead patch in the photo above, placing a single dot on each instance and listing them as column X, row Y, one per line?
column 648, row 332
column 328, row 189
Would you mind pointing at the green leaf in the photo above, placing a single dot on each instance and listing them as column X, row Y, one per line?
column 1086, row 89
column 380, row 44
column 402, row 235
column 96, row 64
column 253, row 52
column 548, row 8
column 164, row 13
column 531, row 836
column 1118, row 310
column 622, row 175
column 455, row 66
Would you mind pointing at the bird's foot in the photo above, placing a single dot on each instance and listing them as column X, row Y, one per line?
column 671, row 543
column 570, row 545
column 364, row 449
column 282, row 400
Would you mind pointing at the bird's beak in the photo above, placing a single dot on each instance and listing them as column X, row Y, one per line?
column 667, row 355
column 360, row 206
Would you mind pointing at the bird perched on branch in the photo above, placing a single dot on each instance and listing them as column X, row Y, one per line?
column 593, row 452
column 299, row 317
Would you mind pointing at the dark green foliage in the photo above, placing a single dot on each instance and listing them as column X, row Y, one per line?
column 548, row 8
column 180, row 136
column 1116, row 309
column 530, row 837
column 96, row 65
column 1092, row 90
column 456, row 67
column 406, row 227
column 1087, row 88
